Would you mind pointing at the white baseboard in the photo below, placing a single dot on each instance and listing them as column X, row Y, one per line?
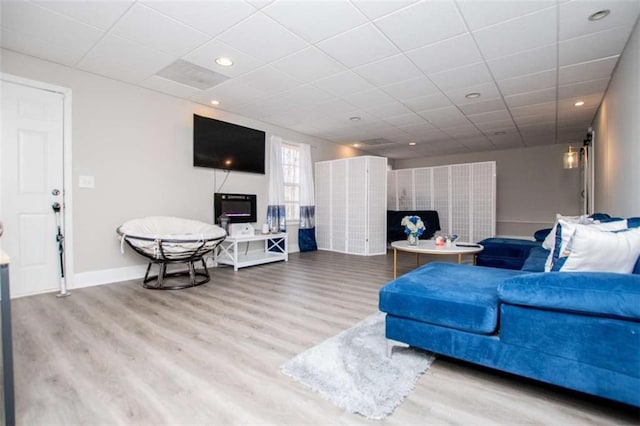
column 108, row 276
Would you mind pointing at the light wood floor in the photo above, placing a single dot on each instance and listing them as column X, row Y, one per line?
column 119, row 354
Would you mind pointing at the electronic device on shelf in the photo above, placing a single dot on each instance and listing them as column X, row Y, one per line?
column 241, row 230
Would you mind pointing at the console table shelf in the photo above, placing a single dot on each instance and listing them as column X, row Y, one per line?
column 275, row 250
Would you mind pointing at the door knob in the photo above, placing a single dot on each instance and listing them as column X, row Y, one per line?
column 55, row 192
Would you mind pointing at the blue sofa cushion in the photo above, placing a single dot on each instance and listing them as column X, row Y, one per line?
column 593, row 293
column 536, row 260
column 541, row 234
column 463, row 297
column 507, row 253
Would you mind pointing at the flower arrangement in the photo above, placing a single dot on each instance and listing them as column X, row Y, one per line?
column 413, row 225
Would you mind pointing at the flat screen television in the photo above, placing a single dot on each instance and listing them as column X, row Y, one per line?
column 221, row 145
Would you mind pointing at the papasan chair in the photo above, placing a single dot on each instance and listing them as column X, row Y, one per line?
column 171, row 240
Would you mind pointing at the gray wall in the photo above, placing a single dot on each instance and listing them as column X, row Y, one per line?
column 531, row 185
column 138, row 145
column 617, row 137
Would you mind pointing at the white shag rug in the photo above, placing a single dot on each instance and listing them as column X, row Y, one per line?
column 352, row 369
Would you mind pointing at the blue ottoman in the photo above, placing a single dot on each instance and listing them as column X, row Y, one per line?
column 463, row 297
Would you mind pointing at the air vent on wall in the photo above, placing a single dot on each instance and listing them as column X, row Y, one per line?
column 184, row 72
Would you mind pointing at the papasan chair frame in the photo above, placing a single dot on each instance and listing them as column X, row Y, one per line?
column 172, row 248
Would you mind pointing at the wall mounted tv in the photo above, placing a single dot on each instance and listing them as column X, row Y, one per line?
column 221, row 145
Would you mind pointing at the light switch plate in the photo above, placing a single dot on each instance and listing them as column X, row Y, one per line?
column 87, row 182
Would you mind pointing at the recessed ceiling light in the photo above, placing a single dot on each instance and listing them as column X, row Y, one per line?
column 472, row 95
column 579, row 103
column 224, row 62
column 412, row 144
column 354, row 118
column 215, row 102
column 356, row 145
column 601, row 14
column 499, row 133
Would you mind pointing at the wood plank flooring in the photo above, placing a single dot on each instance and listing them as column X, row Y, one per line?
column 120, row 354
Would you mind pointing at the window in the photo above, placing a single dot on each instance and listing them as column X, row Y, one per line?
column 291, row 178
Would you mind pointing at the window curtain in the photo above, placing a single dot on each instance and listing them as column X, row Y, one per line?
column 307, row 230
column 276, row 217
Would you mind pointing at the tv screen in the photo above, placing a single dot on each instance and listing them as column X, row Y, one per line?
column 221, row 145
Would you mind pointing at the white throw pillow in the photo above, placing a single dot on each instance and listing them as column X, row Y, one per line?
column 591, row 250
column 568, row 228
column 550, row 240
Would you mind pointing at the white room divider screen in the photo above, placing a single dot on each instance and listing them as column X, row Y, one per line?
column 464, row 195
column 351, row 205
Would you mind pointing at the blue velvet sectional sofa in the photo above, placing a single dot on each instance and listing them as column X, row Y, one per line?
column 579, row 330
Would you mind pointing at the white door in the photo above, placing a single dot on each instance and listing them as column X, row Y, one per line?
column 31, row 156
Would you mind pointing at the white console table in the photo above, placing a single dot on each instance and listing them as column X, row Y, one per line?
column 275, row 249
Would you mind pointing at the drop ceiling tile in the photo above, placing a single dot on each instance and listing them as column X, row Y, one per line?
column 369, row 98
column 488, row 91
column 583, row 88
column 344, row 83
column 487, row 117
column 267, row 80
column 108, row 55
column 535, row 109
column 433, row 101
column 169, row 87
column 100, row 14
column 262, row 37
column 480, row 14
column 408, row 89
column 574, row 15
column 477, row 144
column 405, row 120
column 590, row 102
column 152, row 29
column 447, row 54
column 482, row 106
column 586, row 71
column 463, row 77
column 445, row 117
column 209, row 17
column 388, row 110
column 593, row 46
column 530, row 98
column 507, row 141
column 37, row 23
column 65, row 55
column 421, row 24
column 335, row 109
column 389, row 70
column 547, row 118
column 524, row 63
column 526, row 32
column 205, row 56
column 492, row 127
column 425, row 132
column 308, row 65
column 376, row 9
column 526, row 83
column 230, row 94
column 358, row 46
column 463, row 131
column 304, row 95
column 315, row 20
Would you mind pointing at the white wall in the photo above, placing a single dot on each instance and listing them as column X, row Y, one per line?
column 138, row 145
column 617, row 137
column 531, row 185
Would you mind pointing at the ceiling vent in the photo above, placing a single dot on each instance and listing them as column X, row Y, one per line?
column 184, row 72
column 374, row 142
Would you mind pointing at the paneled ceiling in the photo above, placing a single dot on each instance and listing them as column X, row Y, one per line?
column 377, row 73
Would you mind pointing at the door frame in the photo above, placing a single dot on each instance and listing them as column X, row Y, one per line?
column 67, row 175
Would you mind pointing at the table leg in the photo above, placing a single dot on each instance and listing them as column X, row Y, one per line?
column 417, row 259
column 395, row 263
column 459, row 257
